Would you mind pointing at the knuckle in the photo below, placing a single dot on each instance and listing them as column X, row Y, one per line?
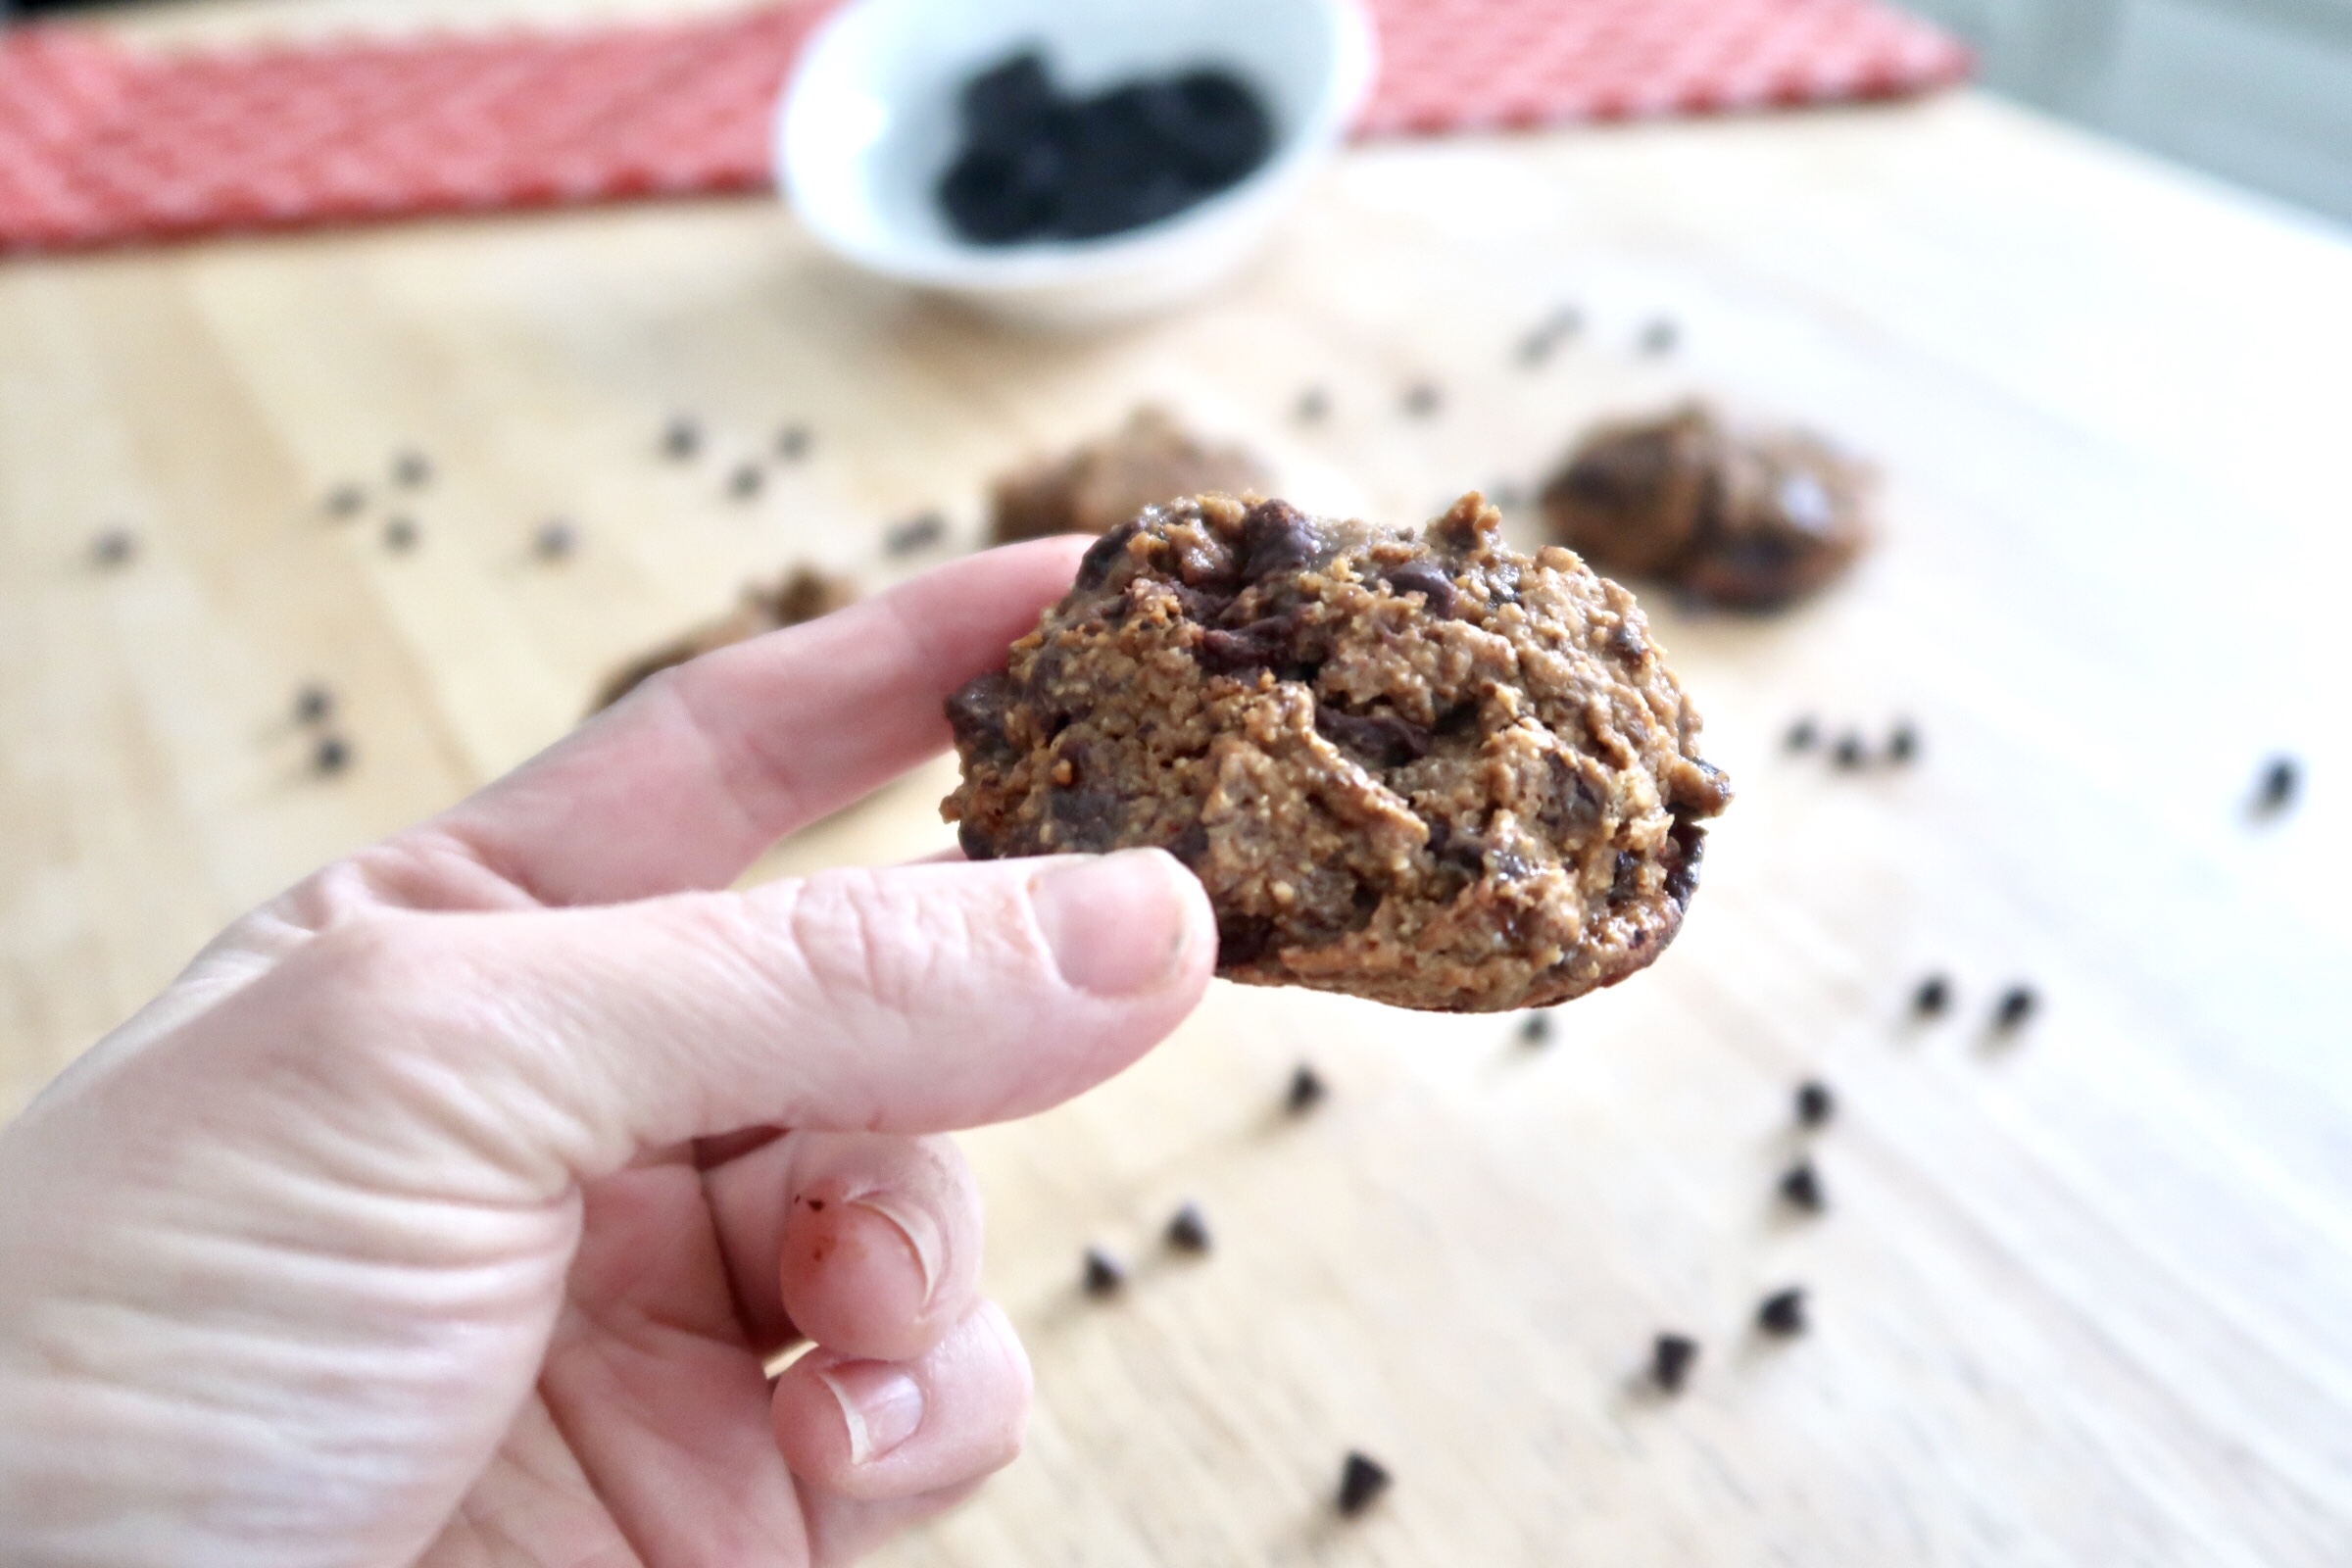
column 874, row 937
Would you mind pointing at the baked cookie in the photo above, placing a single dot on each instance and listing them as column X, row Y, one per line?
column 1149, row 460
column 1752, row 519
column 1431, row 771
column 802, row 594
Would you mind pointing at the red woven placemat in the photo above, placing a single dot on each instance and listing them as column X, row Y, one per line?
column 100, row 144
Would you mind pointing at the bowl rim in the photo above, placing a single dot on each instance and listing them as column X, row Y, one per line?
column 1332, row 111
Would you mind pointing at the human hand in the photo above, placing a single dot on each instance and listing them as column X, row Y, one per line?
column 449, row 1207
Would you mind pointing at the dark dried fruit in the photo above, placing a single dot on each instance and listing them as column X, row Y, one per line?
column 1815, row 1104
column 1306, row 1091
column 314, row 703
column 2016, row 1006
column 1933, row 995
column 1102, row 1274
column 331, row 755
column 1362, row 1479
column 918, row 532
column 1671, row 1356
column 1800, row 1185
column 1782, row 1312
column 1187, row 1230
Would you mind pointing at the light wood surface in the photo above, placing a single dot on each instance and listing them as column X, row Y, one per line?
column 2085, row 1297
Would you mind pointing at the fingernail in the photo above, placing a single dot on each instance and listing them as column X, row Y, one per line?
column 913, row 1222
column 881, row 1405
column 1117, row 924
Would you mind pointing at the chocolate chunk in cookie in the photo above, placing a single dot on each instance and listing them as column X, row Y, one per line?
column 1752, row 519
column 802, row 594
column 1431, row 771
column 1149, row 461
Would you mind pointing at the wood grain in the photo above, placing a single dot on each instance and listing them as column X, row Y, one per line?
column 2081, row 1296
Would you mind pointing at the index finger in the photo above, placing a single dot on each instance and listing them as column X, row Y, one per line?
column 684, row 783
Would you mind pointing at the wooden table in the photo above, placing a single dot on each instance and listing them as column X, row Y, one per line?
column 2083, row 1297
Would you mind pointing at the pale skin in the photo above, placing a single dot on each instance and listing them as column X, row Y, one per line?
column 449, row 1208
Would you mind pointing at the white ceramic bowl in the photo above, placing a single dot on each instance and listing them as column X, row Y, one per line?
column 868, row 122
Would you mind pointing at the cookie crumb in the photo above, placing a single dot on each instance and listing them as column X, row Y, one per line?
column 1104, row 1275
column 1933, row 995
column 1306, row 1091
column 2281, row 782
column 1362, row 1479
column 1187, row 1230
column 314, row 703
column 792, row 442
column 2017, row 1003
column 1671, row 1356
column 115, row 547
column 1800, row 1185
column 399, row 535
column 1782, row 1312
column 1815, row 1104
column 918, row 532
column 681, row 439
column 330, row 756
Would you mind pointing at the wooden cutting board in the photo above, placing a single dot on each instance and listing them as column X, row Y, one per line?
column 2081, row 1296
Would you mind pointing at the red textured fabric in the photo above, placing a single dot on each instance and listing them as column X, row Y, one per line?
column 100, row 144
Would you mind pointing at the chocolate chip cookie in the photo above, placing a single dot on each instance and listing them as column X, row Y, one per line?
column 1149, row 460
column 1752, row 519
column 1431, row 771
column 802, row 594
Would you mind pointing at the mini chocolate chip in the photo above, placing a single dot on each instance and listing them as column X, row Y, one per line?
column 1670, row 1359
column 1362, row 1479
column 400, row 534
column 975, row 844
column 918, row 532
column 2017, row 1005
column 1802, row 736
column 555, row 540
column 314, row 703
column 1627, row 644
column 1422, row 399
column 1306, row 1091
column 1187, row 1230
column 345, row 501
column 1242, row 938
column 1259, row 644
column 1276, row 536
column 1085, row 819
column 1902, row 741
column 1782, row 1312
column 1102, row 1274
column 2281, row 782
column 1096, row 565
column 331, row 755
column 681, row 439
column 1313, row 404
column 792, row 443
column 976, row 715
column 411, row 469
column 1815, row 1104
column 1386, row 739
column 1687, row 842
column 1850, row 754
column 1661, row 336
column 115, row 547
column 1801, row 1184
column 1933, row 995
column 745, row 482
column 1465, row 852
column 1424, row 577
column 1535, row 1029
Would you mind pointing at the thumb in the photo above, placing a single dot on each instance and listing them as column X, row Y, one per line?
column 917, row 998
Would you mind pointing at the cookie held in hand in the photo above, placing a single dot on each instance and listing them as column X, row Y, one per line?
column 1431, row 771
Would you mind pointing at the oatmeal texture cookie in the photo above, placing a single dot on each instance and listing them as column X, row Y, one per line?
column 1431, row 771
column 802, row 594
column 1149, row 460
column 1747, row 519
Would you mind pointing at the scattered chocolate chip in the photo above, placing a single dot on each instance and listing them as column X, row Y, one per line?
column 411, row 469
column 1187, row 1230
column 1103, row 555
column 681, row 439
column 1902, row 741
column 1933, row 995
column 314, row 703
column 345, row 501
column 1306, row 1091
column 2281, row 782
column 557, row 539
column 1422, row 399
column 1801, row 1184
column 1782, row 1312
column 1535, row 1029
column 1104, row 1276
column 1670, row 1359
column 1277, row 536
column 1815, row 1104
column 1661, row 336
column 1426, row 578
column 1383, row 739
column 400, row 534
column 331, row 755
column 918, row 532
column 115, row 547
column 745, row 482
column 1313, row 404
column 1546, row 335
column 793, row 442
column 2017, row 1005
column 1802, row 736
column 1259, row 644
column 1362, row 1479
column 1849, row 752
